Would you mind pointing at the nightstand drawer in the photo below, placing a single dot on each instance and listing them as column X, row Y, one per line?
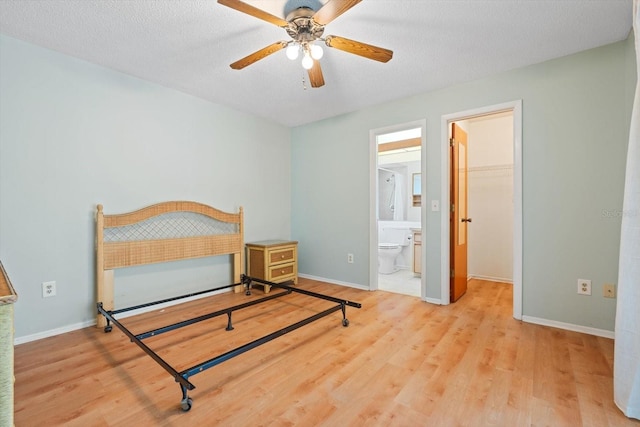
column 280, row 272
column 282, row 255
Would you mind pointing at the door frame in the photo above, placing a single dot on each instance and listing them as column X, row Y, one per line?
column 373, row 196
column 445, row 177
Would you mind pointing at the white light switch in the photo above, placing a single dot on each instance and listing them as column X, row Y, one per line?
column 435, row 205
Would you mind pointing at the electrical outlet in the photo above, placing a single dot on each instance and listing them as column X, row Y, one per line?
column 48, row 289
column 350, row 258
column 609, row 290
column 584, row 287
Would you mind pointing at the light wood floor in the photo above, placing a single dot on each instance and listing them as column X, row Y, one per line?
column 401, row 362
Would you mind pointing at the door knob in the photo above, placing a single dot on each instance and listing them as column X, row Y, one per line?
column 466, row 220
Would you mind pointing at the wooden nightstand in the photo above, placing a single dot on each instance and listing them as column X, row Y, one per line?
column 273, row 260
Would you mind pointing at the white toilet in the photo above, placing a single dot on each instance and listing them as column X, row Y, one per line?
column 392, row 241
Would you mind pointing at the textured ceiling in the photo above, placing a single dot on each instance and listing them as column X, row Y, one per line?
column 188, row 45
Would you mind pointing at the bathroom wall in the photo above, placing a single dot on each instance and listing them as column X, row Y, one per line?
column 407, row 169
column 414, row 213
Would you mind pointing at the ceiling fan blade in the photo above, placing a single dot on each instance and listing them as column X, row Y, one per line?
column 332, row 9
column 254, row 11
column 258, row 55
column 315, row 74
column 358, row 48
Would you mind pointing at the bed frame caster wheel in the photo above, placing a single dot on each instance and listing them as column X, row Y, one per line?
column 186, row 404
column 345, row 322
column 108, row 328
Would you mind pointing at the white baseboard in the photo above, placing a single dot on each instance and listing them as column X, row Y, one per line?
column 53, row 332
column 490, row 278
column 436, row 301
column 87, row 323
column 334, row 282
column 569, row 327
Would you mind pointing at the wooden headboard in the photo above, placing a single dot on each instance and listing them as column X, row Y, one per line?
column 168, row 231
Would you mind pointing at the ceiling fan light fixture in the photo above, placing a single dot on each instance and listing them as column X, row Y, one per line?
column 316, row 51
column 293, row 50
column 307, row 61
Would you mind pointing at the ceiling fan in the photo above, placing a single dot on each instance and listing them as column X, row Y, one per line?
column 305, row 26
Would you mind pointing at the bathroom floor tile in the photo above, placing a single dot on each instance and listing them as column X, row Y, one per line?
column 401, row 282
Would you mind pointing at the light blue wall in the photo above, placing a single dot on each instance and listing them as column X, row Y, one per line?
column 576, row 114
column 73, row 134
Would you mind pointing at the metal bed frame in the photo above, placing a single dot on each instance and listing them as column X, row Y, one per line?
column 182, row 377
column 181, row 230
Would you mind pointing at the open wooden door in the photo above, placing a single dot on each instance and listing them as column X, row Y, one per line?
column 459, row 219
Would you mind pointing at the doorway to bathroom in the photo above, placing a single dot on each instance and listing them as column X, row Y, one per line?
column 396, row 217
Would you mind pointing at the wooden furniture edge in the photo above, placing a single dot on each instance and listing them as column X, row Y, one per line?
column 128, row 218
column 8, row 294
